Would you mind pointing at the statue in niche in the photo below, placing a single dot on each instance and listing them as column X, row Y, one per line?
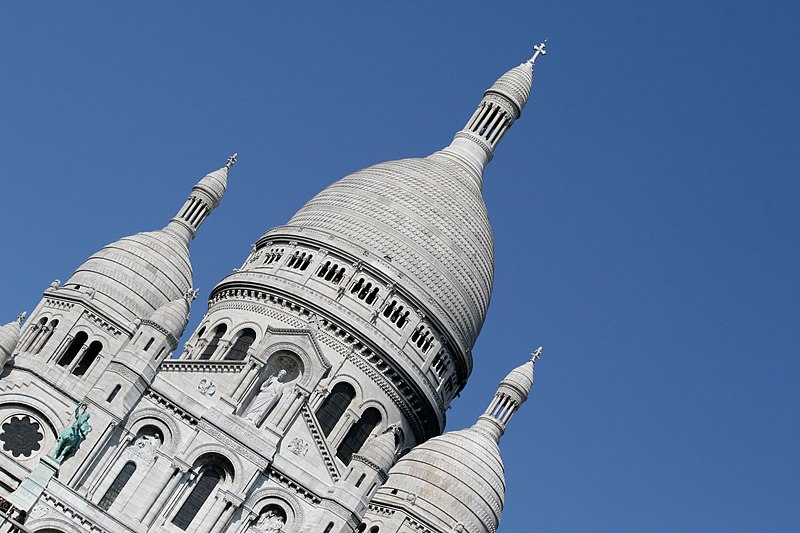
column 71, row 438
column 269, row 522
column 266, row 399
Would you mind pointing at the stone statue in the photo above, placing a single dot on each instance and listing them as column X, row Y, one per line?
column 266, row 399
column 269, row 522
column 71, row 438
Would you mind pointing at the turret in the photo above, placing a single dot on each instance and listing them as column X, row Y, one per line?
column 9, row 337
column 454, row 482
column 133, row 369
column 501, row 105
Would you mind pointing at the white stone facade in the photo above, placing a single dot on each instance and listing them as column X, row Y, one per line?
column 333, row 351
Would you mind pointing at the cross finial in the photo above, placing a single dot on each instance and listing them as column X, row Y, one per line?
column 536, row 354
column 191, row 295
column 539, row 49
column 21, row 317
column 231, row 161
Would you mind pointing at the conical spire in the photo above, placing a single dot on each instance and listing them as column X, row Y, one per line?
column 510, row 395
column 173, row 316
column 9, row 337
column 502, row 104
column 204, row 198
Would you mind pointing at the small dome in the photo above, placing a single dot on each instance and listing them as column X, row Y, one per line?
column 456, row 478
column 381, row 449
column 214, row 184
column 9, row 337
column 515, row 85
column 172, row 316
column 137, row 274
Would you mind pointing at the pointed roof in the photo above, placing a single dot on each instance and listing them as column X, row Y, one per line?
column 137, row 274
column 9, row 337
column 173, row 316
column 458, row 478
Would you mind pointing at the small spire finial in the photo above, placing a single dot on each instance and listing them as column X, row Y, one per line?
column 539, row 49
column 231, row 161
column 191, row 295
column 21, row 317
column 536, row 354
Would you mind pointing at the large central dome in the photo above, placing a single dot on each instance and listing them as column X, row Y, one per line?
column 426, row 216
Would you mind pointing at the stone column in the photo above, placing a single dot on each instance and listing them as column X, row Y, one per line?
column 290, row 408
column 180, row 473
column 230, row 504
column 338, row 433
column 23, row 341
column 244, row 381
column 78, row 357
column 159, row 484
column 41, row 340
column 82, row 473
column 60, row 349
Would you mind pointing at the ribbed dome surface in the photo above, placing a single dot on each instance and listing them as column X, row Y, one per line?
column 515, row 85
column 138, row 274
column 429, row 217
column 458, row 475
column 173, row 316
column 9, row 337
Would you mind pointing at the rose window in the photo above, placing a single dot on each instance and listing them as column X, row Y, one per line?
column 21, row 436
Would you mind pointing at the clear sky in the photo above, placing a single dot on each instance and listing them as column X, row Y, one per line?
column 645, row 208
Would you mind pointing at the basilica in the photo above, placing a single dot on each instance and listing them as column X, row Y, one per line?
column 311, row 398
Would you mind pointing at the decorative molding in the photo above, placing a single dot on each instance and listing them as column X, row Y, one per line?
column 224, row 437
column 205, row 366
column 173, row 342
column 319, row 440
column 294, row 486
column 171, row 406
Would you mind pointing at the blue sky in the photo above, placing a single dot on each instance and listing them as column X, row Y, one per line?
column 644, row 208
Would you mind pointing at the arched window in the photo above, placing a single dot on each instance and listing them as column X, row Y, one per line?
column 73, row 348
column 149, row 343
column 50, row 330
column 88, row 358
column 214, row 342
column 116, row 487
column 244, row 340
column 358, row 434
column 113, row 394
column 329, row 528
column 202, row 490
column 334, row 406
column 374, row 529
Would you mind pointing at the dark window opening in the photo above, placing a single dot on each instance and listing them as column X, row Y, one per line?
column 334, row 406
column 88, row 358
column 73, row 348
column 244, row 340
column 358, row 434
column 214, row 342
column 202, row 490
column 117, row 485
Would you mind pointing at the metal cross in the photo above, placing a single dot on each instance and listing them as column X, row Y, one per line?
column 231, row 161
column 21, row 317
column 539, row 50
column 537, row 354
